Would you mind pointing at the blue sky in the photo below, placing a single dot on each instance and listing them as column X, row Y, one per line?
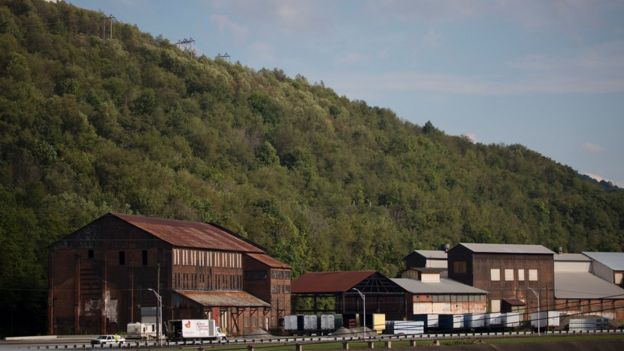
column 547, row 74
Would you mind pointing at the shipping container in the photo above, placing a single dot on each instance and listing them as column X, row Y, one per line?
column 430, row 320
column 510, row 319
column 451, row 321
column 290, row 323
column 493, row 319
column 545, row 319
column 474, row 320
column 328, row 322
column 310, row 322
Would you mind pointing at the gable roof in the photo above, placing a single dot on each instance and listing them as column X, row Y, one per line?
column 190, row 234
column 328, row 282
column 613, row 260
column 432, row 254
column 507, row 248
column 445, row 286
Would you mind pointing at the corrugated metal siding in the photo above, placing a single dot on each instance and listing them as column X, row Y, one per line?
column 268, row 260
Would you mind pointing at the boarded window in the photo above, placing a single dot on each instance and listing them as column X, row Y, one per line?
column 495, row 274
column 144, row 257
column 521, row 274
column 509, row 275
column 122, row 258
column 533, row 275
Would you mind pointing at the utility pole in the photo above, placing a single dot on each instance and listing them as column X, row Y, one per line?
column 539, row 315
column 364, row 306
column 106, row 19
column 159, row 315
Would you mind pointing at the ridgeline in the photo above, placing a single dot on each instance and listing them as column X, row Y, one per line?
column 132, row 124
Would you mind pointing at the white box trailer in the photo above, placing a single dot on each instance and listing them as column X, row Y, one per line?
column 194, row 329
column 546, row 319
column 142, row 331
column 587, row 324
column 405, row 327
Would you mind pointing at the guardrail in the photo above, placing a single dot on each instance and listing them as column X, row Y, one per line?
column 299, row 342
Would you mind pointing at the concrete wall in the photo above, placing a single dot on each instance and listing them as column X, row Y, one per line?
column 564, row 266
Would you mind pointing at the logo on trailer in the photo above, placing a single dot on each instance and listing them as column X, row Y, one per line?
column 187, row 324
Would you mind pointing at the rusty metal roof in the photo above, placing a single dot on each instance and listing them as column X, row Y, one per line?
column 223, row 298
column 190, row 234
column 328, row 282
column 268, row 260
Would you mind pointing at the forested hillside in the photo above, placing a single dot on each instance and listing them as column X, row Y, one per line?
column 132, row 124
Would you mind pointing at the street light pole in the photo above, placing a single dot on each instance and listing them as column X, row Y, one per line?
column 363, row 303
column 159, row 315
column 539, row 315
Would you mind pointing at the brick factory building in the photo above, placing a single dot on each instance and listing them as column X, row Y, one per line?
column 508, row 272
column 99, row 276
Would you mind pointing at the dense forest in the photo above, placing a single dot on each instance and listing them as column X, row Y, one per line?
column 90, row 124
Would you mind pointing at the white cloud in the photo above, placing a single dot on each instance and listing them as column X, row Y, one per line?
column 593, row 148
column 226, row 25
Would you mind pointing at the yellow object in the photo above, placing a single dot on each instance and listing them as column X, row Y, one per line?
column 379, row 322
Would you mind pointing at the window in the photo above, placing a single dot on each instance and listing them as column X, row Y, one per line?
column 144, row 257
column 90, row 254
column 495, row 274
column 122, row 258
column 495, row 306
column 509, row 275
column 521, row 274
column 459, row 266
column 533, row 275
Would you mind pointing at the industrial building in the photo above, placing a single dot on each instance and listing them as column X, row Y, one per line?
column 381, row 293
column 514, row 275
column 426, row 259
column 608, row 266
column 578, row 291
column 431, row 294
column 100, row 275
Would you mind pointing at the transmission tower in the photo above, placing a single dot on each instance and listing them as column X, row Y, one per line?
column 186, row 44
column 224, row 57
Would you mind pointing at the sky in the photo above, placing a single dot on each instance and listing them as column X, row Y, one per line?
column 547, row 74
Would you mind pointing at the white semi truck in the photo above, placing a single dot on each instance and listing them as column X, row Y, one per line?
column 194, row 329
